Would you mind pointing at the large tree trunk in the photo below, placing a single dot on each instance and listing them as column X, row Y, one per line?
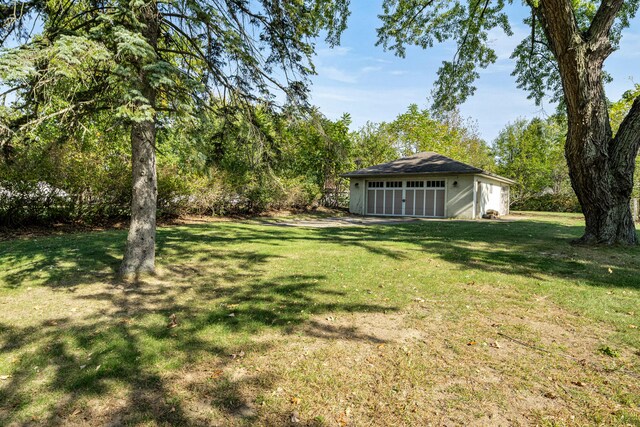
column 601, row 166
column 139, row 256
column 601, row 175
column 140, row 253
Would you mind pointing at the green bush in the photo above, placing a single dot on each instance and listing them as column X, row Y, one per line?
column 549, row 203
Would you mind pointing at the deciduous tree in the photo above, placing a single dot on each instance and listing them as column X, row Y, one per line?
column 563, row 56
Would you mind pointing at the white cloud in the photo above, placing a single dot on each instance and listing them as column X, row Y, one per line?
column 334, row 73
column 375, row 105
column 329, row 52
column 369, row 69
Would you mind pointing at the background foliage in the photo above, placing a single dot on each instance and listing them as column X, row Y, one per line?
column 224, row 163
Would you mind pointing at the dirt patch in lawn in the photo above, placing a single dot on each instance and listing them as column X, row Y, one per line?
column 391, row 369
column 347, row 369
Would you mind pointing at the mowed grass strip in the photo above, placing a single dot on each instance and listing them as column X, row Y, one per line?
column 448, row 322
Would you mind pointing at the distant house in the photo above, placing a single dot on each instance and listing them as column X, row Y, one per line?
column 429, row 185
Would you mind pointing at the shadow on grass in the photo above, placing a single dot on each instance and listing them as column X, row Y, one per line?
column 218, row 289
column 125, row 352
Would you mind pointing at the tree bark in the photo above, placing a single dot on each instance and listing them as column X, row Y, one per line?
column 601, row 167
column 139, row 256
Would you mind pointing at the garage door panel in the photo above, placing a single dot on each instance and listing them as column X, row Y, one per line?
column 371, row 201
column 430, row 198
column 408, row 205
column 440, row 203
column 388, row 202
column 397, row 202
column 379, row 202
column 419, row 208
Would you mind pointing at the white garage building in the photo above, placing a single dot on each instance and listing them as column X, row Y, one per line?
column 428, row 185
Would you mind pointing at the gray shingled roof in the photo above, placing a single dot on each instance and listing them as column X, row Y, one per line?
column 426, row 162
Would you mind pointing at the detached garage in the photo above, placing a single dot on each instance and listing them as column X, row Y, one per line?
column 427, row 185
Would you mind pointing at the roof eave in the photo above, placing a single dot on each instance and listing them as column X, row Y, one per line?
column 374, row 174
column 498, row 178
column 393, row 174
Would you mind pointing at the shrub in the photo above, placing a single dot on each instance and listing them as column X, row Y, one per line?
column 550, row 203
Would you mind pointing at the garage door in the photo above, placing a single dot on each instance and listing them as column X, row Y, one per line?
column 424, row 198
column 384, row 197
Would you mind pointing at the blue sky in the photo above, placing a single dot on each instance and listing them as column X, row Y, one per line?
column 372, row 85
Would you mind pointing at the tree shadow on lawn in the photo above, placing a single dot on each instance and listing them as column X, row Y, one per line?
column 528, row 248
column 524, row 247
column 125, row 354
column 222, row 300
column 532, row 249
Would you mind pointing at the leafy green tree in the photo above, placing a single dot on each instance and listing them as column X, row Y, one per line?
column 563, row 56
column 372, row 145
column 621, row 108
column 618, row 111
column 319, row 150
column 417, row 130
column 148, row 62
column 531, row 153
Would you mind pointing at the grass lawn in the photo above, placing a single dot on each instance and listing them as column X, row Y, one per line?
column 443, row 322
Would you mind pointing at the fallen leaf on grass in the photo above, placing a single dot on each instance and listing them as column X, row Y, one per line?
column 342, row 420
column 295, row 400
column 4, row 377
column 633, row 327
column 380, row 346
column 76, row 412
column 173, row 322
column 237, row 355
column 216, row 374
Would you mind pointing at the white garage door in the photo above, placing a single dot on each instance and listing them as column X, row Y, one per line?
column 425, row 198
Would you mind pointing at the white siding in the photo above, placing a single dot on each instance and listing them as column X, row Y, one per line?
column 460, row 197
column 491, row 195
column 356, row 196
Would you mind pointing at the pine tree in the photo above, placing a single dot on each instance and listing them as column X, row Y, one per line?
column 149, row 61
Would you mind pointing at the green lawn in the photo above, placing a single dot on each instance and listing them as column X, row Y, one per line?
column 449, row 322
